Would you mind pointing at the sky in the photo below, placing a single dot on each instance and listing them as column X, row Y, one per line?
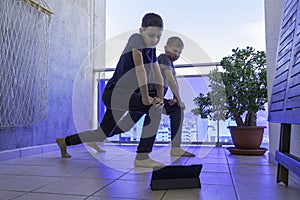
column 210, row 28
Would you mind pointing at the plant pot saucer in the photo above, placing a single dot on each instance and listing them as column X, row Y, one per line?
column 250, row 152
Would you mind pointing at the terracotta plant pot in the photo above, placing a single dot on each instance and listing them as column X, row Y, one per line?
column 247, row 137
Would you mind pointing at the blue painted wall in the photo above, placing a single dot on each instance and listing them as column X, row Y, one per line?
column 69, row 47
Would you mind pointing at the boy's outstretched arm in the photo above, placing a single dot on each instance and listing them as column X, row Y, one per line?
column 142, row 80
column 141, row 76
column 159, row 81
column 173, row 84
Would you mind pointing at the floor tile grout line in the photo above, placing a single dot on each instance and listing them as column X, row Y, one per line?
column 164, row 194
column 48, row 176
column 231, row 176
column 114, row 180
column 92, row 195
column 33, row 192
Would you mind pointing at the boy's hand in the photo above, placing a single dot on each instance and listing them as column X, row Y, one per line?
column 180, row 104
column 157, row 102
column 171, row 102
column 147, row 100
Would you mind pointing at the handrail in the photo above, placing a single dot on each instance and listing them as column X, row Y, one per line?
column 216, row 64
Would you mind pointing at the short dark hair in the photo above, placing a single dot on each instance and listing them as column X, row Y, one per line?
column 152, row 19
column 174, row 40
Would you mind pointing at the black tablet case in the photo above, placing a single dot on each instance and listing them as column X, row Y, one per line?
column 176, row 177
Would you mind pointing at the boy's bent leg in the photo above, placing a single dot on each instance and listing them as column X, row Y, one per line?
column 179, row 152
column 147, row 163
column 95, row 147
column 176, row 115
column 107, row 128
column 86, row 136
column 176, row 119
column 147, row 140
column 63, row 147
column 112, row 122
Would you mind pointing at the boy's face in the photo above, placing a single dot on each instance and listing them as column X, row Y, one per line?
column 151, row 35
column 173, row 52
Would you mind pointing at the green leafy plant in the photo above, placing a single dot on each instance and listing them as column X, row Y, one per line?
column 238, row 88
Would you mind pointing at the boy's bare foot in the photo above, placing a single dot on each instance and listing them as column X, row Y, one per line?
column 95, row 146
column 63, row 147
column 178, row 152
column 148, row 163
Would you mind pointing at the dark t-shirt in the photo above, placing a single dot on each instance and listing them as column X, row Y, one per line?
column 165, row 63
column 124, row 76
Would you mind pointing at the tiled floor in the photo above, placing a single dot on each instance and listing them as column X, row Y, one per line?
column 112, row 176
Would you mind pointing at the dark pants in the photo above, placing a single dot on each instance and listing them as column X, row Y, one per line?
column 123, row 111
column 176, row 115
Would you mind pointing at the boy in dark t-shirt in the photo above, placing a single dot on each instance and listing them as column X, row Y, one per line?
column 126, row 95
column 173, row 107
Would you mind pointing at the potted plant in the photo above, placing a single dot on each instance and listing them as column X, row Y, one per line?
column 238, row 92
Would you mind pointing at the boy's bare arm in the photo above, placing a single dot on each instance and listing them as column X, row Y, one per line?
column 159, row 81
column 141, row 76
column 173, row 84
column 176, row 85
